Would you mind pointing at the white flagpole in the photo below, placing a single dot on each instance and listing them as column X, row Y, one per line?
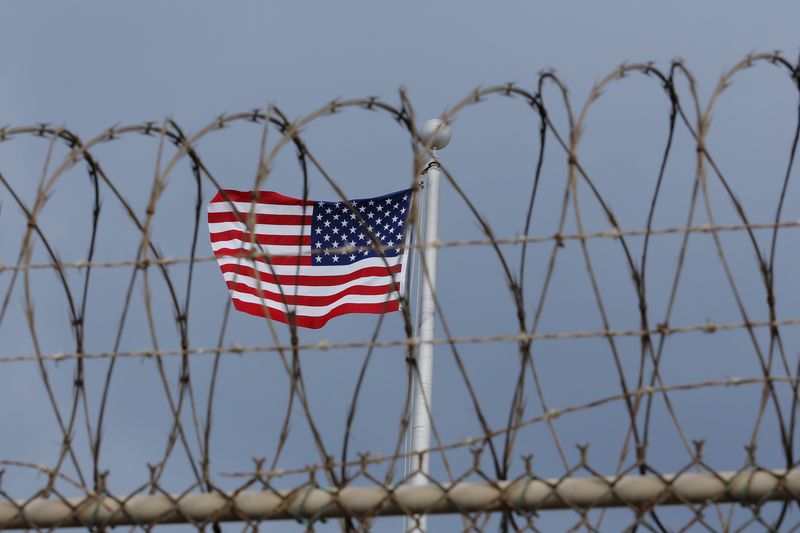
column 437, row 134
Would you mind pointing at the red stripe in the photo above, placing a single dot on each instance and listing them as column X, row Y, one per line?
column 316, row 322
column 302, row 260
column 312, row 281
column 263, row 197
column 277, row 259
column 287, row 220
column 291, row 299
column 261, row 238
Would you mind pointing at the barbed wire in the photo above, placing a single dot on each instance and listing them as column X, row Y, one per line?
column 552, row 414
column 325, row 345
column 609, row 234
column 493, row 467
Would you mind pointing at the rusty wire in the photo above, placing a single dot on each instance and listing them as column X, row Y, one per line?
column 77, row 468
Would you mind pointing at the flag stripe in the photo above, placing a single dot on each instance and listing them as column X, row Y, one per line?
column 270, row 249
column 241, row 236
column 239, row 254
column 306, row 299
column 282, row 220
column 243, row 208
column 311, row 285
column 315, row 322
column 323, row 273
column 261, row 197
column 314, row 310
column 261, row 229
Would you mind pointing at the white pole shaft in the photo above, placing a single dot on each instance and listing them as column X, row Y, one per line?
column 423, row 384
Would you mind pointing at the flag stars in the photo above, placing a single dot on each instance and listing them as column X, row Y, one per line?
column 374, row 228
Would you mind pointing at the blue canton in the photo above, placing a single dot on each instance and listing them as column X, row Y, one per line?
column 336, row 225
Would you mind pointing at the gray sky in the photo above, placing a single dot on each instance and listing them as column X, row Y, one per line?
column 91, row 65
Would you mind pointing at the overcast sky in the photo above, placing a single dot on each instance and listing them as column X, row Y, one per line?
column 91, row 65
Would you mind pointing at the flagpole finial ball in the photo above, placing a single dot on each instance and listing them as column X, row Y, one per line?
column 436, row 133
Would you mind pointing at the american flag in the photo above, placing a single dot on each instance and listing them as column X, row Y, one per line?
column 282, row 255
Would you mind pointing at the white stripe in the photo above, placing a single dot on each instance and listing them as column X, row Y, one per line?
column 260, row 208
column 316, row 270
column 260, row 229
column 271, row 249
column 315, row 311
column 310, row 290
